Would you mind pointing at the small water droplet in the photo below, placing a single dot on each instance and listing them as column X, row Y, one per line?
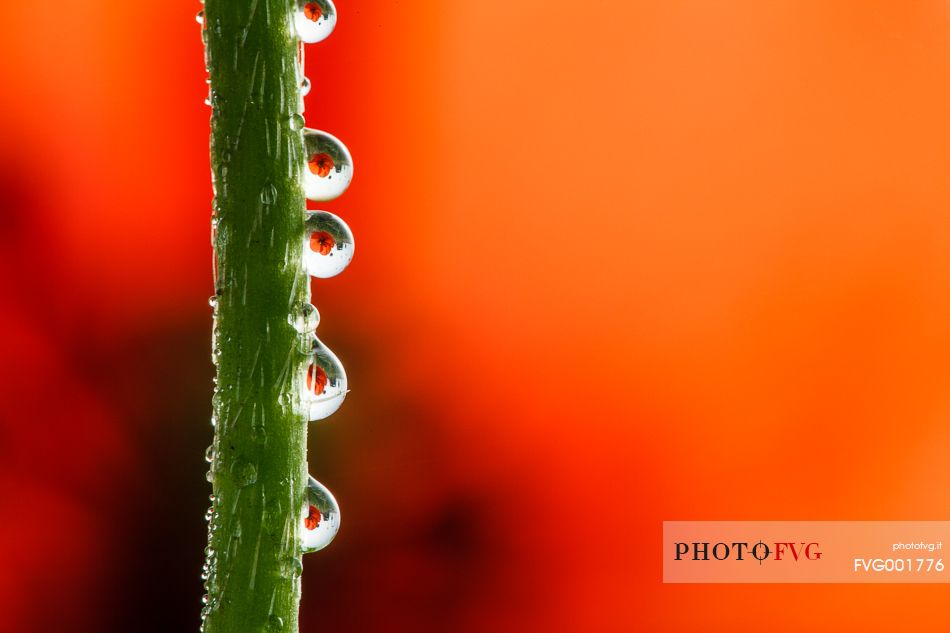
column 258, row 433
column 275, row 624
column 213, row 301
column 314, row 20
column 320, row 519
column 305, row 87
column 200, row 17
column 269, row 194
column 329, row 168
column 244, row 473
column 291, row 568
column 209, row 476
column 296, row 122
column 329, row 245
column 209, row 454
column 325, row 383
column 305, row 318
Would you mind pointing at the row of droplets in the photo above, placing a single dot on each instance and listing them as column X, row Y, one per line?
column 328, row 249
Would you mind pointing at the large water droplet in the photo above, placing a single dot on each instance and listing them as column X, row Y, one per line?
column 325, row 384
column 315, row 20
column 329, row 245
column 320, row 520
column 305, row 318
column 329, row 167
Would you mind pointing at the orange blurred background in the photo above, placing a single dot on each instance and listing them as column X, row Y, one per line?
column 619, row 262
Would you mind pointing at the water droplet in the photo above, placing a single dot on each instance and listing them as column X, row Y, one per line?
column 258, row 433
column 200, row 17
column 325, row 384
column 244, row 473
column 269, row 193
column 213, row 301
column 209, row 454
column 329, row 166
column 296, row 122
column 305, row 87
column 275, row 624
column 329, row 245
column 320, row 519
column 291, row 568
column 314, row 20
column 305, row 318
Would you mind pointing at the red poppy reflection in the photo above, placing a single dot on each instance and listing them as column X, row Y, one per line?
column 320, row 164
column 322, row 242
column 316, row 379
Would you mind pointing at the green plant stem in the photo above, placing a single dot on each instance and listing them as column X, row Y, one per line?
column 259, row 469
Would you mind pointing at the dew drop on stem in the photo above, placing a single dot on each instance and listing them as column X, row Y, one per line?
column 243, row 473
column 268, row 193
column 329, row 169
column 320, row 517
column 305, row 318
column 315, row 20
column 295, row 122
column 324, row 384
column 329, row 245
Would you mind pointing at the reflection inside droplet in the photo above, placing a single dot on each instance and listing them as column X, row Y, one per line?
column 329, row 166
column 329, row 245
column 325, row 383
column 315, row 20
column 320, row 518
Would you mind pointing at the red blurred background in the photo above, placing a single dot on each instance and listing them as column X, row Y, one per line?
column 619, row 262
